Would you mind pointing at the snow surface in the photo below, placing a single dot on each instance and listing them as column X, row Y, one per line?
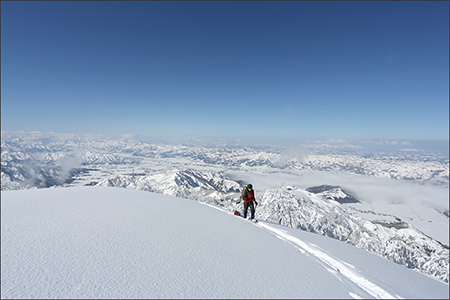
column 97, row 242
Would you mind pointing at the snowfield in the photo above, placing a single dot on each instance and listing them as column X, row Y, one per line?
column 102, row 242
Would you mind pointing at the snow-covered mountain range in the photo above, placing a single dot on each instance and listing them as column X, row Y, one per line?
column 393, row 204
column 44, row 159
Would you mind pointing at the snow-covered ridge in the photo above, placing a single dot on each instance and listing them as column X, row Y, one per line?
column 402, row 244
column 189, row 184
column 96, row 242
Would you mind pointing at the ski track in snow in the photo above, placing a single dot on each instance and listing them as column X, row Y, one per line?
column 339, row 266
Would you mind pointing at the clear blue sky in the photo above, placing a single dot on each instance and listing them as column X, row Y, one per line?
column 228, row 69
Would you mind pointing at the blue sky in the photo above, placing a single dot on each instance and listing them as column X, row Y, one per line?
column 227, row 69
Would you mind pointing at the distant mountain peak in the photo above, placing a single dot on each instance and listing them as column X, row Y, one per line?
column 332, row 192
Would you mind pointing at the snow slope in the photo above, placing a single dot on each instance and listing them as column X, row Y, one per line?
column 97, row 242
